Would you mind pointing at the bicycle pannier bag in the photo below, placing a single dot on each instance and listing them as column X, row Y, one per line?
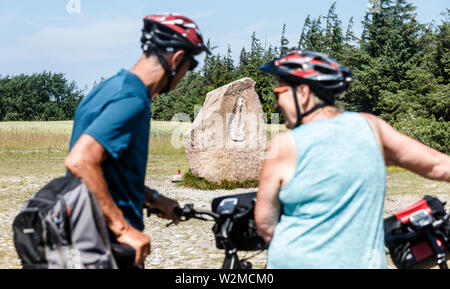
column 415, row 251
column 243, row 235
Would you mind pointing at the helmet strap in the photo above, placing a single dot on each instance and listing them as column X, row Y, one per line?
column 170, row 73
column 297, row 107
column 301, row 116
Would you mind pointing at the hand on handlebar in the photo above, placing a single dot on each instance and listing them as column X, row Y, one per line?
column 166, row 208
column 185, row 213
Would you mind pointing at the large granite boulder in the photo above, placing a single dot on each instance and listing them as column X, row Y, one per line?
column 228, row 137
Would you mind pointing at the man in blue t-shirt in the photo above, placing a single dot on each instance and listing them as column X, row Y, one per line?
column 109, row 144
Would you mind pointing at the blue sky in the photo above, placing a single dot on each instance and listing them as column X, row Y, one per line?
column 104, row 37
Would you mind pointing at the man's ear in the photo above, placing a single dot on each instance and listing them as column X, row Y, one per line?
column 176, row 58
column 305, row 91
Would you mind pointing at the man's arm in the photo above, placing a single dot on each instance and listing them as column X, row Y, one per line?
column 403, row 151
column 84, row 161
column 164, row 204
column 278, row 169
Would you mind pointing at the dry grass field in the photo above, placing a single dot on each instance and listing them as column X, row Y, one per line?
column 32, row 153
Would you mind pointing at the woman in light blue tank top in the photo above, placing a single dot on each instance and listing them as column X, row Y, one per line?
column 333, row 206
column 321, row 190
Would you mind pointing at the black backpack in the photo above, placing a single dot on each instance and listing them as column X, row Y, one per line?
column 412, row 240
column 62, row 227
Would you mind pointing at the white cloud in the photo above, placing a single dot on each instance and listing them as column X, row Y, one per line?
column 97, row 40
column 84, row 52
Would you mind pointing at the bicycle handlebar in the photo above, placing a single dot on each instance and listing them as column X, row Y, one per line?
column 435, row 225
column 438, row 223
column 124, row 254
column 189, row 212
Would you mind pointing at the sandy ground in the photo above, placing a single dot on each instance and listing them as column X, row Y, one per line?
column 189, row 245
column 196, row 241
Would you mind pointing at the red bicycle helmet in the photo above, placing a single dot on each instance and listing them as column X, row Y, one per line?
column 321, row 72
column 327, row 78
column 171, row 32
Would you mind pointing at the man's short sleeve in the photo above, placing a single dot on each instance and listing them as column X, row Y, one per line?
column 115, row 125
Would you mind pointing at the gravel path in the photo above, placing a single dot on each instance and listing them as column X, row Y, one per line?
column 189, row 245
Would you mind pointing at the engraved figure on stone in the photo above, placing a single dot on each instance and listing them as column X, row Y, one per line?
column 237, row 125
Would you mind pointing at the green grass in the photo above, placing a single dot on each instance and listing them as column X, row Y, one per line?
column 395, row 169
column 35, row 137
column 39, row 148
column 191, row 181
column 164, row 159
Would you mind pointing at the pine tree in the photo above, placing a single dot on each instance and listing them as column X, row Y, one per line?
column 364, row 39
column 207, row 61
column 376, row 28
column 305, row 29
column 314, row 36
column 333, row 32
column 402, row 42
column 256, row 51
column 284, row 42
column 350, row 38
column 228, row 61
column 269, row 54
column 441, row 53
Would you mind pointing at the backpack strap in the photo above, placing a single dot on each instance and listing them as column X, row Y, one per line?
column 101, row 225
column 53, row 231
column 65, row 210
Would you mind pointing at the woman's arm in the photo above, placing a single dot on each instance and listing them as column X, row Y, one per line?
column 278, row 169
column 403, row 151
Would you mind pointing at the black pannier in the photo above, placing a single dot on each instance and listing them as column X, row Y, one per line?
column 244, row 236
column 413, row 238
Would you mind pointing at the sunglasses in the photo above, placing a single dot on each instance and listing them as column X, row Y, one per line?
column 193, row 64
column 280, row 89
